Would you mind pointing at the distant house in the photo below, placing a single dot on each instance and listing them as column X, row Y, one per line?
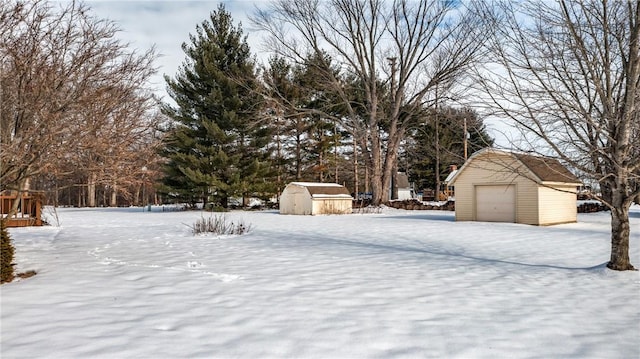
column 309, row 198
column 501, row 186
column 448, row 190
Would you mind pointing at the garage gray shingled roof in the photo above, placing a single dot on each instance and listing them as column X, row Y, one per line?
column 547, row 169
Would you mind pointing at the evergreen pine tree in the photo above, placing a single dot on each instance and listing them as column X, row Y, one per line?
column 421, row 153
column 217, row 145
column 6, row 254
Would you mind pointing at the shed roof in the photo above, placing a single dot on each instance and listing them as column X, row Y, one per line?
column 323, row 189
column 403, row 180
column 450, row 176
column 544, row 168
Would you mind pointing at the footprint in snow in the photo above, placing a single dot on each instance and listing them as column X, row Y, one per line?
column 194, row 264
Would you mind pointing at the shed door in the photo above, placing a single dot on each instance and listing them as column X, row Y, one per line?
column 300, row 201
column 496, row 203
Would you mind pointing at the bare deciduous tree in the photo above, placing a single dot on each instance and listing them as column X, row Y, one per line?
column 64, row 80
column 397, row 53
column 568, row 75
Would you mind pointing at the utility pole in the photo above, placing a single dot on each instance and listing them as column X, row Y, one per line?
column 466, row 135
column 355, row 168
column 336, row 138
column 394, row 175
column 437, row 169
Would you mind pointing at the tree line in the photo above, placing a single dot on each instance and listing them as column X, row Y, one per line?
column 326, row 110
column 244, row 130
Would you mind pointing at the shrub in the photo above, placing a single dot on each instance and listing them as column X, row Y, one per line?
column 6, row 252
column 217, row 224
column 214, row 207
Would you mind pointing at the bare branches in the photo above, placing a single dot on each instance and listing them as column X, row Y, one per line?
column 393, row 54
column 565, row 81
column 568, row 78
column 67, row 85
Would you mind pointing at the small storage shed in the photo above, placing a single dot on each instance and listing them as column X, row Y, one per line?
column 315, row 198
column 501, row 186
column 403, row 186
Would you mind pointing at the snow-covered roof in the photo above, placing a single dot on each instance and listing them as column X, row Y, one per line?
column 316, row 184
column 320, row 195
column 450, row 176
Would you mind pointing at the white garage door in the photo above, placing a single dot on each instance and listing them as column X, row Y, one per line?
column 496, row 203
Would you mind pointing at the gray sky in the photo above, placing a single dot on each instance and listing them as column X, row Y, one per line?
column 167, row 24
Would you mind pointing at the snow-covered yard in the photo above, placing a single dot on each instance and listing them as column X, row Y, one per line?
column 123, row 283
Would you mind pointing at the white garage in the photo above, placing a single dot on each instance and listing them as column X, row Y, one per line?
column 311, row 198
column 501, row 186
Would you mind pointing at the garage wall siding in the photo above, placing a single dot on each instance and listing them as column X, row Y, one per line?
column 527, row 201
column 494, row 169
column 559, row 206
column 537, row 201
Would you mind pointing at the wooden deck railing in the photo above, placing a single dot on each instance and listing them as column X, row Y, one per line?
column 29, row 209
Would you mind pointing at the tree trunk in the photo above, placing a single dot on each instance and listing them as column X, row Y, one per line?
column 56, row 196
column 17, row 204
column 390, row 163
column 136, row 196
column 114, row 196
column 224, row 201
column 387, row 173
column 356, row 190
column 91, row 190
column 278, row 161
column 320, row 168
column 380, row 192
column 366, row 179
column 298, row 157
column 437, row 167
column 394, row 182
column 620, row 231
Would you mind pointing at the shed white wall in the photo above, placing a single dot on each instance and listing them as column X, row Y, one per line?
column 331, row 206
column 404, row 193
column 295, row 199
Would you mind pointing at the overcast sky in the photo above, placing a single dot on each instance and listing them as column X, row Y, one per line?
column 167, row 24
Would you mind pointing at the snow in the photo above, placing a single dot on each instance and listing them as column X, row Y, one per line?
column 123, row 283
column 322, row 195
column 316, row 184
